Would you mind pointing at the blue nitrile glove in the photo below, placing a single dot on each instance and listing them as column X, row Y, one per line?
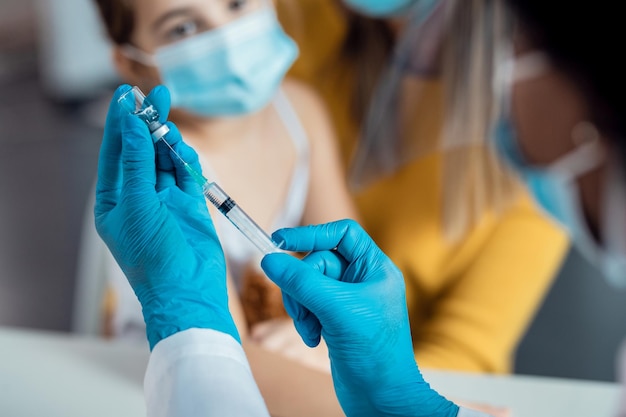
column 356, row 299
column 154, row 219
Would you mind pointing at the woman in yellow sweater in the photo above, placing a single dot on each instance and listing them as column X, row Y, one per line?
column 476, row 269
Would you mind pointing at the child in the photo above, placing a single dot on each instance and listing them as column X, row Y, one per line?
column 267, row 141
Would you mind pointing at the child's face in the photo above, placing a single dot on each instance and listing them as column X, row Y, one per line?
column 217, row 57
column 162, row 22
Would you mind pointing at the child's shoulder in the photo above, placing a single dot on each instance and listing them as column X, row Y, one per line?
column 308, row 104
column 302, row 96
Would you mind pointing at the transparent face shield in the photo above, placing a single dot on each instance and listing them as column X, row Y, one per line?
column 388, row 137
column 437, row 92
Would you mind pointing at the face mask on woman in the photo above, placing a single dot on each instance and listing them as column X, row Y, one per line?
column 229, row 71
column 555, row 188
column 382, row 8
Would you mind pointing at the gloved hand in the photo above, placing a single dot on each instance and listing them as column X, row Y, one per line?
column 154, row 219
column 348, row 291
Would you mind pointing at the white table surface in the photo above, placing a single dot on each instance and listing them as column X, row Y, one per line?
column 530, row 396
column 59, row 375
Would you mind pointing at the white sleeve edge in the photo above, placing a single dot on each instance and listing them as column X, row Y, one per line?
column 192, row 342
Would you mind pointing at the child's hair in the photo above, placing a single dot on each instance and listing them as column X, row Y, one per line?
column 118, row 17
column 368, row 46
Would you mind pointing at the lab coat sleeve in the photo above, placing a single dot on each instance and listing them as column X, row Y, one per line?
column 201, row 372
column 466, row 412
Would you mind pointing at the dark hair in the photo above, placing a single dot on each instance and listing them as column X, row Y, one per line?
column 368, row 45
column 584, row 39
column 119, row 19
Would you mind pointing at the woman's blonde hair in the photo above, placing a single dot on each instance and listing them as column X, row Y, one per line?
column 475, row 181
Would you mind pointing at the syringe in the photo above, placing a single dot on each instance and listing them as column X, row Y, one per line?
column 135, row 102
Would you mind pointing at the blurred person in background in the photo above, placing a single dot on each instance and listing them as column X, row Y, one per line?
column 477, row 255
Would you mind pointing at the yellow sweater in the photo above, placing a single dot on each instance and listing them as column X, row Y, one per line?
column 469, row 302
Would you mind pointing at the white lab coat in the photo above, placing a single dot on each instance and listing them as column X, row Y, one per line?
column 202, row 372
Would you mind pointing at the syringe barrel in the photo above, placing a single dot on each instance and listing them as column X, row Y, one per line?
column 136, row 103
column 252, row 231
column 239, row 218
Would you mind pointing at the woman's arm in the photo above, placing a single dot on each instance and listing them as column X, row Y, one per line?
column 478, row 322
column 469, row 301
column 290, row 388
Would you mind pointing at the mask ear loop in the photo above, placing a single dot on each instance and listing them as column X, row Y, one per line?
column 588, row 154
column 137, row 55
column 514, row 69
column 529, row 65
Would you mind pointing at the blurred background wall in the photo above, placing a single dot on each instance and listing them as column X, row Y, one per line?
column 55, row 80
column 55, row 83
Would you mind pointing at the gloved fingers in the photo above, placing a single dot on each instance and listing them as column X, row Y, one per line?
column 310, row 330
column 171, row 169
column 184, row 179
column 138, row 160
column 161, row 99
column 305, row 238
column 166, row 163
column 307, row 325
column 194, row 220
column 329, row 263
column 300, row 281
column 109, row 160
column 333, row 265
column 164, row 157
column 164, row 180
column 346, row 236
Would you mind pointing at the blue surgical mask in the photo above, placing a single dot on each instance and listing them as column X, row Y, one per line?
column 555, row 189
column 233, row 70
column 380, row 8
